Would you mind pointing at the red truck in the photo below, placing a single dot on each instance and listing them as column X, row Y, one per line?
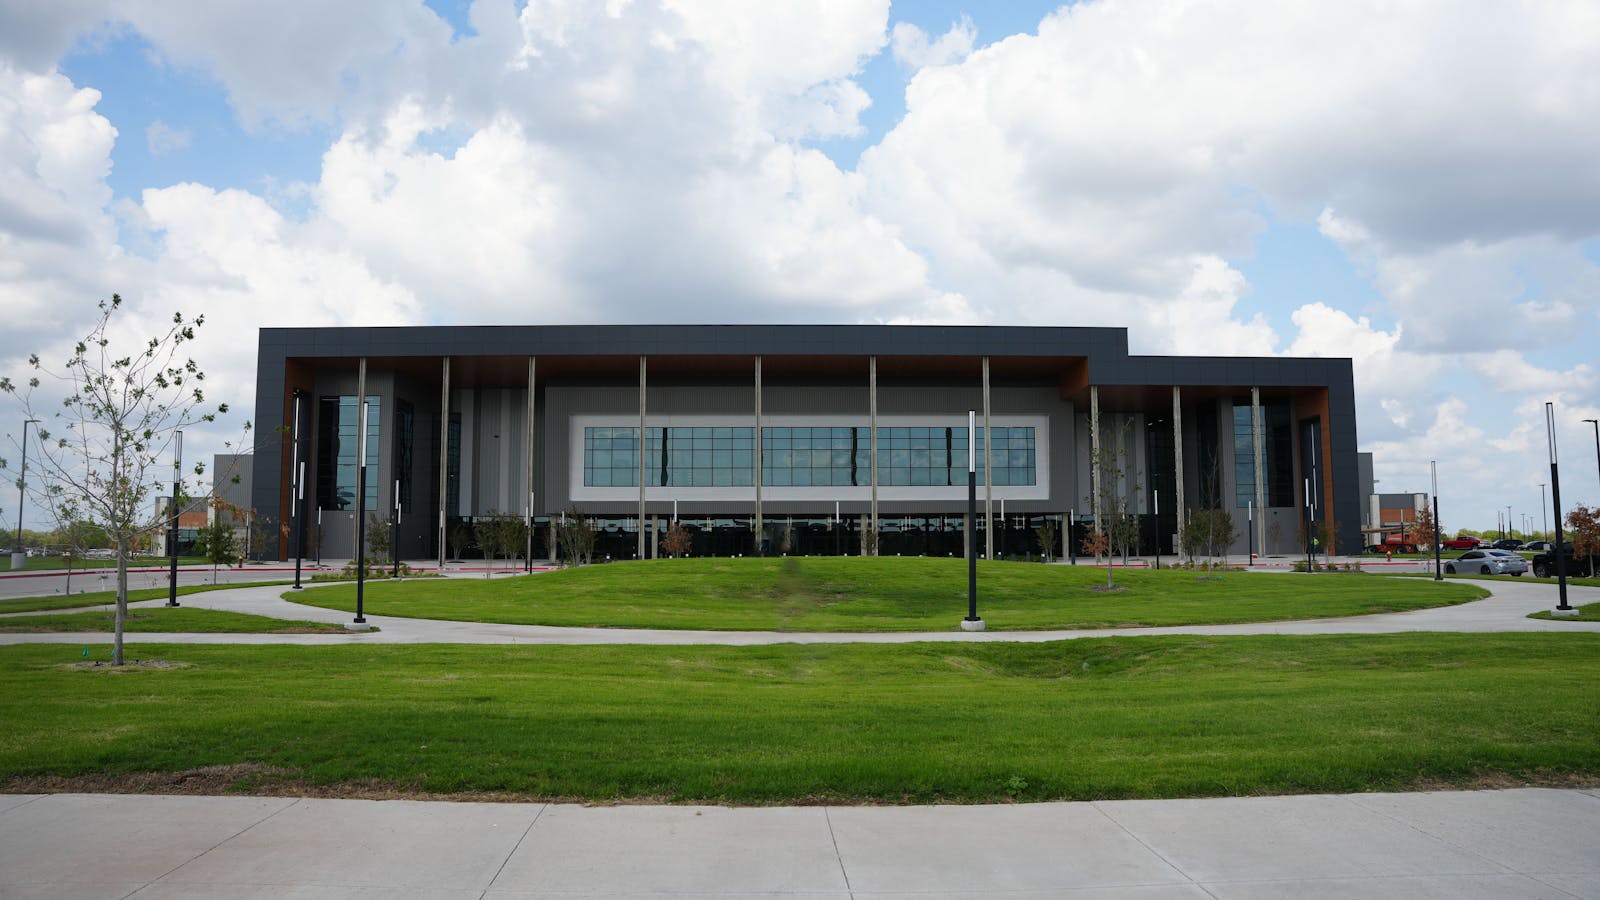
column 1464, row 542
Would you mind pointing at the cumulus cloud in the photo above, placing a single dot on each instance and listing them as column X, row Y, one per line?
column 912, row 47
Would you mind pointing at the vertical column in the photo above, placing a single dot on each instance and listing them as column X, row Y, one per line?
column 758, row 524
column 533, row 407
column 444, row 452
column 642, row 444
column 361, row 458
column 1258, row 452
column 1094, row 456
column 988, row 471
column 1177, row 454
column 872, row 441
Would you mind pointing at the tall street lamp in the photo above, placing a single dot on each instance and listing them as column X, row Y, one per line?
column 1544, row 516
column 1438, row 553
column 297, row 495
column 177, row 484
column 1596, row 424
column 360, row 623
column 19, row 556
column 972, row 622
column 1508, row 521
column 1562, row 609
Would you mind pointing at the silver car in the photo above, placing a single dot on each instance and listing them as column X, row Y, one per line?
column 1487, row 562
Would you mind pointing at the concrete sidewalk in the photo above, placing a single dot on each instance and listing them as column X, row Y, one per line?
column 1514, row 843
column 1506, row 610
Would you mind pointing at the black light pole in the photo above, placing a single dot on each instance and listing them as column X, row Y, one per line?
column 1544, row 515
column 835, row 528
column 1309, row 561
column 1156, row 496
column 394, row 529
column 1562, row 609
column 361, row 513
column 1072, row 522
column 1249, row 530
column 177, row 476
column 19, row 556
column 1596, row 424
column 1439, row 554
column 297, row 498
column 972, row 622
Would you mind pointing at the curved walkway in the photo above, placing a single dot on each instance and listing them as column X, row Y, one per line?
column 1505, row 610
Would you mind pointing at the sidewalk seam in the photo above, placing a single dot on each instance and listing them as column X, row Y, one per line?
column 1354, row 801
column 1146, row 845
column 843, row 872
column 514, row 848
column 288, row 806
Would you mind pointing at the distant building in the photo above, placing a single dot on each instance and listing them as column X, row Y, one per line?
column 816, row 439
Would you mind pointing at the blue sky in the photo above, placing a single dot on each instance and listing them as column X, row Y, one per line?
column 1218, row 177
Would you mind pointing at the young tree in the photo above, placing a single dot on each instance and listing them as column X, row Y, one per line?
column 109, row 440
column 677, row 541
column 1423, row 532
column 380, row 537
column 460, row 540
column 217, row 541
column 575, row 536
column 1096, row 544
column 1584, row 523
column 1048, row 533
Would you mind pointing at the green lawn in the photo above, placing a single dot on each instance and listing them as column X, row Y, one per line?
column 56, row 563
column 1111, row 717
column 1588, row 612
column 884, row 594
column 164, row 619
column 103, row 598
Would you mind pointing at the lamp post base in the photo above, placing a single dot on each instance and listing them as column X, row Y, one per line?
column 1569, row 611
column 971, row 624
column 357, row 626
column 18, row 561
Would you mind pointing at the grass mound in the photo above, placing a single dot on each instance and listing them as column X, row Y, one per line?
column 882, row 594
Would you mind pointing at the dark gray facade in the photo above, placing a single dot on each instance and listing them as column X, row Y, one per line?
column 1045, row 379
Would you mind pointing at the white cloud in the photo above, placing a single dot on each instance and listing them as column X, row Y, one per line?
column 912, row 47
column 163, row 138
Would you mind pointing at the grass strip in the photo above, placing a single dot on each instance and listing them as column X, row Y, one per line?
column 1588, row 612
column 1114, row 717
column 883, row 594
column 107, row 598
column 162, row 619
column 59, row 563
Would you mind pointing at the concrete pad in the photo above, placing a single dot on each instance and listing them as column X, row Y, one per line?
column 1586, row 887
column 350, row 844
column 1129, row 892
column 675, row 850
column 57, row 891
column 656, row 895
column 114, row 839
column 1536, row 831
column 207, row 891
column 9, row 801
column 1411, row 887
column 1287, row 838
column 1024, row 847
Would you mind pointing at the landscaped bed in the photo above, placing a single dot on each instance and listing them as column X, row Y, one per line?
column 884, row 594
column 1110, row 717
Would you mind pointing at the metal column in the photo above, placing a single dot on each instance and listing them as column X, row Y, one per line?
column 872, row 440
column 1177, row 454
column 641, row 455
column 532, row 409
column 1094, row 455
column 756, row 531
column 988, row 463
column 1258, row 450
column 444, row 454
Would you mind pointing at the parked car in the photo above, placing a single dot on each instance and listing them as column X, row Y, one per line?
column 1487, row 562
column 1508, row 544
column 1537, row 546
column 1544, row 565
column 1463, row 542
